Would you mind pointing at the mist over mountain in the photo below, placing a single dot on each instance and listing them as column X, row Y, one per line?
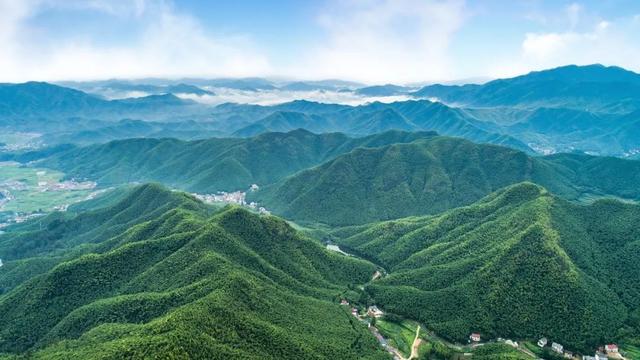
column 505, row 210
column 591, row 109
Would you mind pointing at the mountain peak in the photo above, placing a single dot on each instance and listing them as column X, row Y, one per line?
column 583, row 73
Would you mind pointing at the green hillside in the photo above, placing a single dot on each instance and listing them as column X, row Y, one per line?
column 159, row 275
column 521, row 263
column 435, row 174
column 214, row 164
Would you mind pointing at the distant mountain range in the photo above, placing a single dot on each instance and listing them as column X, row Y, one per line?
column 214, row 164
column 558, row 110
column 590, row 109
column 339, row 180
column 434, row 174
column 30, row 105
column 485, row 208
column 590, row 88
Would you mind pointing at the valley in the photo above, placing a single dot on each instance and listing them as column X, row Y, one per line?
column 473, row 227
column 31, row 192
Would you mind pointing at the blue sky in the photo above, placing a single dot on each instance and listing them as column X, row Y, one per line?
column 373, row 41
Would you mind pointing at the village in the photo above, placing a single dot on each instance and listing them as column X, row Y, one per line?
column 28, row 193
column 65, row 185
column 373, row 316
column 235, row 197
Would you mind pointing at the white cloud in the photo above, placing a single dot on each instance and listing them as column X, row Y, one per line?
column 386, row 40
column 169, row 44
column 271, row 97
column 606, row 42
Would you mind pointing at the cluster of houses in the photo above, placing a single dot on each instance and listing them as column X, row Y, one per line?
column 604, row 353
column 608, row 351
column 235, row 197
column 372, row 311
column 19, row 218
column 66, row 185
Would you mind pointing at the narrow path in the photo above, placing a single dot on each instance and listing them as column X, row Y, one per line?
column 416, row 345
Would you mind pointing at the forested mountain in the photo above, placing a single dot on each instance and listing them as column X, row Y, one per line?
column 214, row 164
column 557, row 110
column 285, row 121
column 157, row 274
column 38, row 101
column 371, row 118
column 125, row 129
column 431, row 175
column 383, row 90
column 141, row 87
column 593, row 87
column 520, row 263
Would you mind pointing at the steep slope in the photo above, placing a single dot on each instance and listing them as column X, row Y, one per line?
column 30, row 98
column 414, row 115
column 126, row 129
column 35, row 247
column 284, row 121
column 451, row 121
column 212, row 164
column 185, row 283
column 38, row 106
column 379, row 121
column 520, row 263
column 432, row 175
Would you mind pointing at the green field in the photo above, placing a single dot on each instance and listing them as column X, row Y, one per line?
column 399, row 335
column 31, row 198
column 631, row 351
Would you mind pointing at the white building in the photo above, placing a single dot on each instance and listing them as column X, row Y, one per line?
column 511, row 343
column 543, row 342
column 373, row 311
column 557, row 348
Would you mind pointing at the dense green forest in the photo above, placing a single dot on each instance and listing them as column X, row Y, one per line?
column 157, row 274
column 447, row 195
column 214, row 164
column 520, row 263
column 431, row 175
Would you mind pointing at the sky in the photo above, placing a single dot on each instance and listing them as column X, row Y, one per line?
column 370, row 41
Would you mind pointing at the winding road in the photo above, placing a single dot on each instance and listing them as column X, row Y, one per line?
column 416, row 345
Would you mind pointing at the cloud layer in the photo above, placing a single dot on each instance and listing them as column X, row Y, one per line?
column 372, row 41
column 586, row 39
column 167, row 43
column 387, row 40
